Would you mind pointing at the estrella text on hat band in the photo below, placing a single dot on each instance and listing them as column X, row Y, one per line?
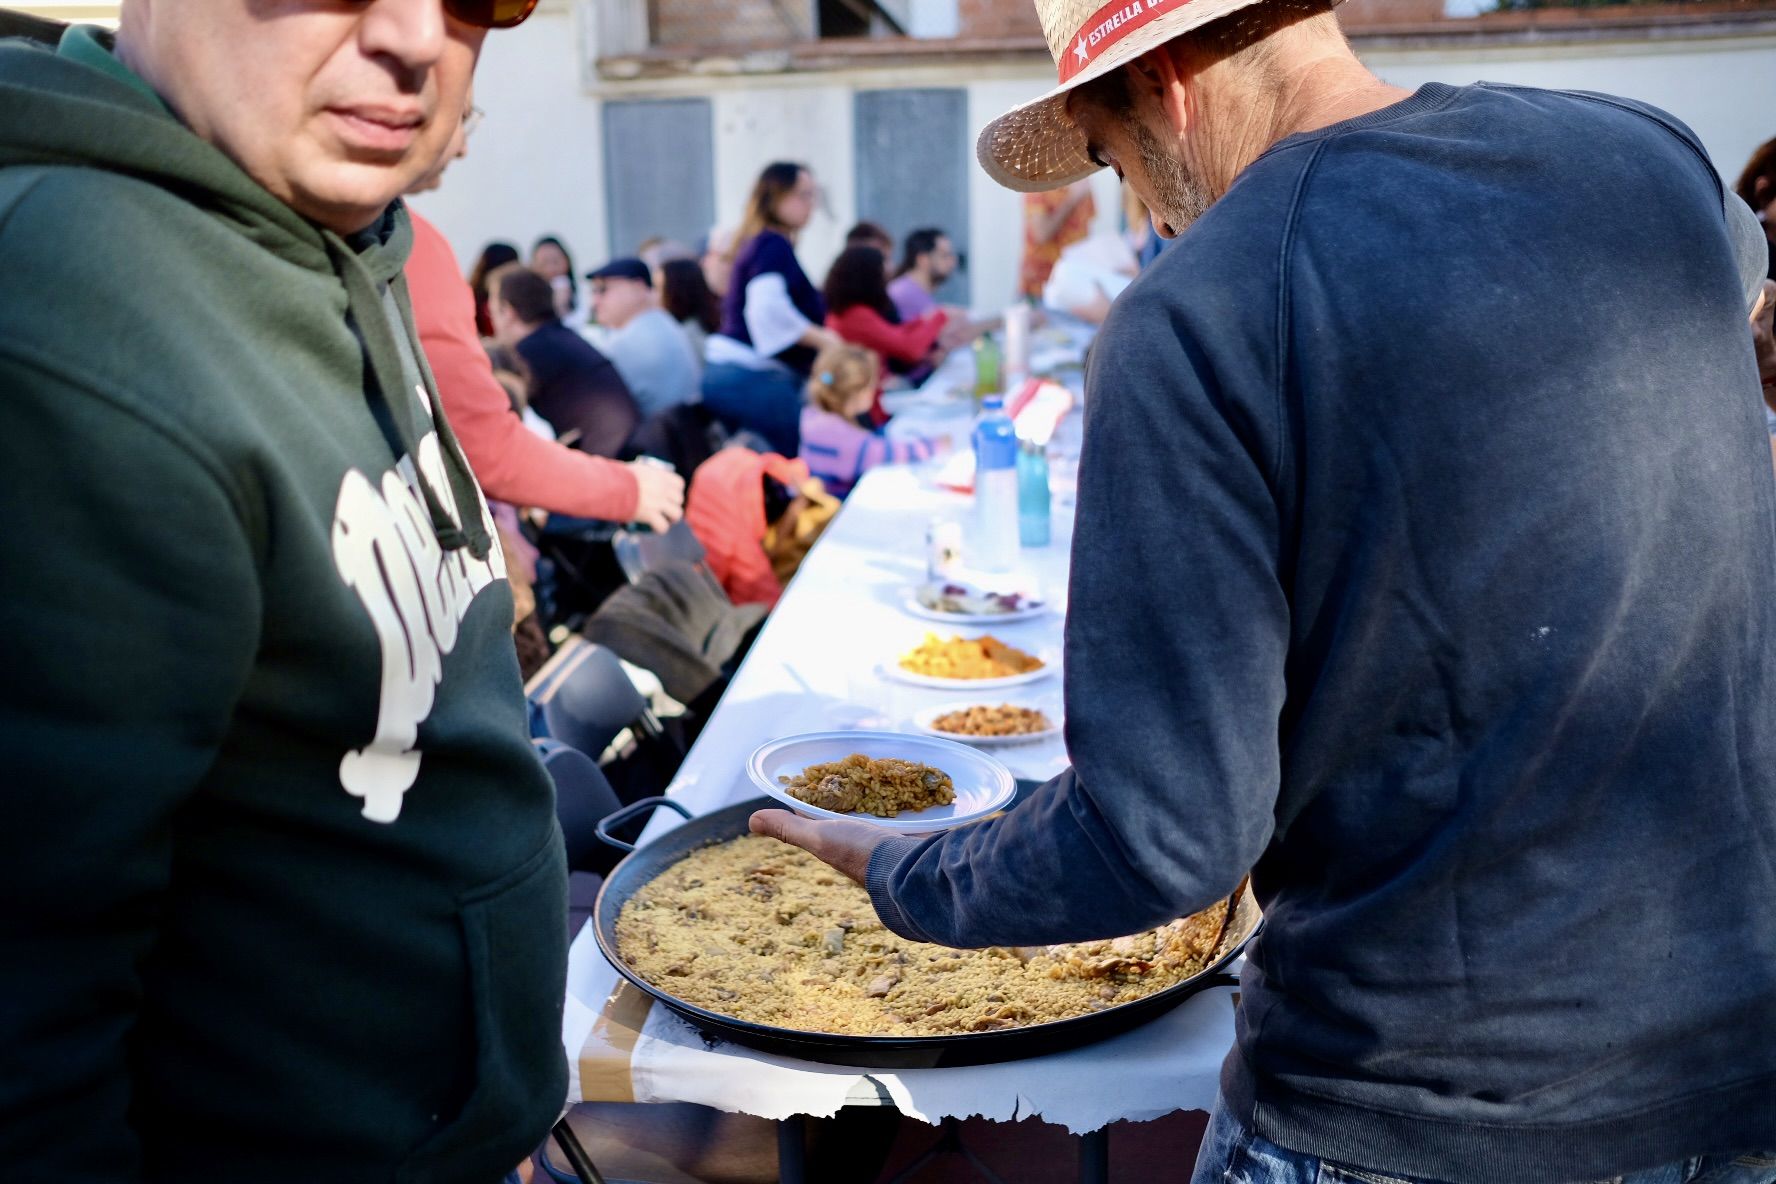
column 1106, row 27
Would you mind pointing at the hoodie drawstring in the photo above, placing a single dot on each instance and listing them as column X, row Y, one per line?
column 456, row 465
column 365, row 305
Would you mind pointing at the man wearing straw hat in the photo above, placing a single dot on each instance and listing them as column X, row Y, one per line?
column 1425, row 565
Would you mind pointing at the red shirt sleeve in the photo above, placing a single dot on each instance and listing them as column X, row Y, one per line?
column 512, row 463
column 861, row 325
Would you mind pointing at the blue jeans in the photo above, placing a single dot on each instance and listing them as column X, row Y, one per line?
column 1232, row 1154
column 767, row 401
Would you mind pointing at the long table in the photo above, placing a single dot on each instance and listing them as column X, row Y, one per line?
column 817, row 666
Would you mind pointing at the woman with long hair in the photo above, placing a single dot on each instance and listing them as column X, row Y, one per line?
column 859, row 309
column 772, row 316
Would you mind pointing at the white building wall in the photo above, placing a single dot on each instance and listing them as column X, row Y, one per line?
column 536, row 164
column 1724, row 90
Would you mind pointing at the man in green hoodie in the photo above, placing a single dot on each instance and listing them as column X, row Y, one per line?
column 283, row 891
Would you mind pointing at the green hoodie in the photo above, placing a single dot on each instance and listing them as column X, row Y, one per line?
column 285, row 897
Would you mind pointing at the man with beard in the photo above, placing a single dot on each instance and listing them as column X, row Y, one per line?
column 929, row 262
column 1425, row 565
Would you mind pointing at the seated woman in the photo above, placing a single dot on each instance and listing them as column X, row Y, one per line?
column 771, row 317
column 835, row 446
column 859, row 309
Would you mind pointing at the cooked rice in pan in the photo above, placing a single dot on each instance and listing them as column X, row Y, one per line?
column 761, row 931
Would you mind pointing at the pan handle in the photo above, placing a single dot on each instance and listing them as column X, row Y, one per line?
column 1219, row 979
column 634, row 810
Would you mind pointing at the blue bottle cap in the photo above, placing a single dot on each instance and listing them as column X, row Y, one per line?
column 992, row 402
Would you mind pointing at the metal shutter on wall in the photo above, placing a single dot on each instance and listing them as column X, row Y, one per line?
column 913, row 155
column 659, row 171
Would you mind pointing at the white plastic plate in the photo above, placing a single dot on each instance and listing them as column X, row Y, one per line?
column 923, row 722
column 913, row 606
column 983, row 785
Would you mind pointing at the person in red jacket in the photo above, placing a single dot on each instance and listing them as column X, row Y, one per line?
column 513, row 463
column 859, row 310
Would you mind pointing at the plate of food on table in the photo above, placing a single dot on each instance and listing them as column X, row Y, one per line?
column 977, row 663
column 960, row 602
column 907, row 783
column 989, row 723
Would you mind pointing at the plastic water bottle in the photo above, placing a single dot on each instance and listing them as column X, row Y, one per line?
column 1033, row 510
column 995, row 487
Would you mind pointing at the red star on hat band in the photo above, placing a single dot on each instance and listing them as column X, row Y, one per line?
column 1106, row 27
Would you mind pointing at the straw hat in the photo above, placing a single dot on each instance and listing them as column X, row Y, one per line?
column 1035, row 146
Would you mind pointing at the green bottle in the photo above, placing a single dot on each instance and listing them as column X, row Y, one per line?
column 986, row 368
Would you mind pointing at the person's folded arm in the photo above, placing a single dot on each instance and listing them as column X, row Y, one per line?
column 1177, row 630
column 911, row 342
column 127, row 631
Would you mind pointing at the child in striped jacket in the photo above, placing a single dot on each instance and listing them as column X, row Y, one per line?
column 836, row 447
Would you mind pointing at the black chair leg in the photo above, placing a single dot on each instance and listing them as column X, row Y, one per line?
column 1094, row 1156
column 792, row 1150
column 576, row 1155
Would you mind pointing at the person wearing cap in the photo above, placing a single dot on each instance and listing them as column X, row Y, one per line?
column 1425, row 568
column 286, row 894
column 642, row 340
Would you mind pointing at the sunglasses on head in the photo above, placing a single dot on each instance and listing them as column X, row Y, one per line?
column 490, row 14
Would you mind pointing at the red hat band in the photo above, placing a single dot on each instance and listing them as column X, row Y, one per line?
column 1106, row 27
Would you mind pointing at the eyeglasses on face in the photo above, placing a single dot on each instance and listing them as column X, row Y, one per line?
column 490, row 14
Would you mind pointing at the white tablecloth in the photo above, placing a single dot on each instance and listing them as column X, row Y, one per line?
column 817, row 666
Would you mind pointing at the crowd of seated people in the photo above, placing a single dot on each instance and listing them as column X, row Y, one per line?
column 563, row 383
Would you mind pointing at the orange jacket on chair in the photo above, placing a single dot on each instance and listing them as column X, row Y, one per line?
column 726, row 511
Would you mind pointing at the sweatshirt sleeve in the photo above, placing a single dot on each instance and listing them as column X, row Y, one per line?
column 512, row 463
column 903, row 343
column 127, row 631
column 1177, row 629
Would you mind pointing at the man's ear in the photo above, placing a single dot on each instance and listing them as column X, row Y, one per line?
column 1157, row 82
